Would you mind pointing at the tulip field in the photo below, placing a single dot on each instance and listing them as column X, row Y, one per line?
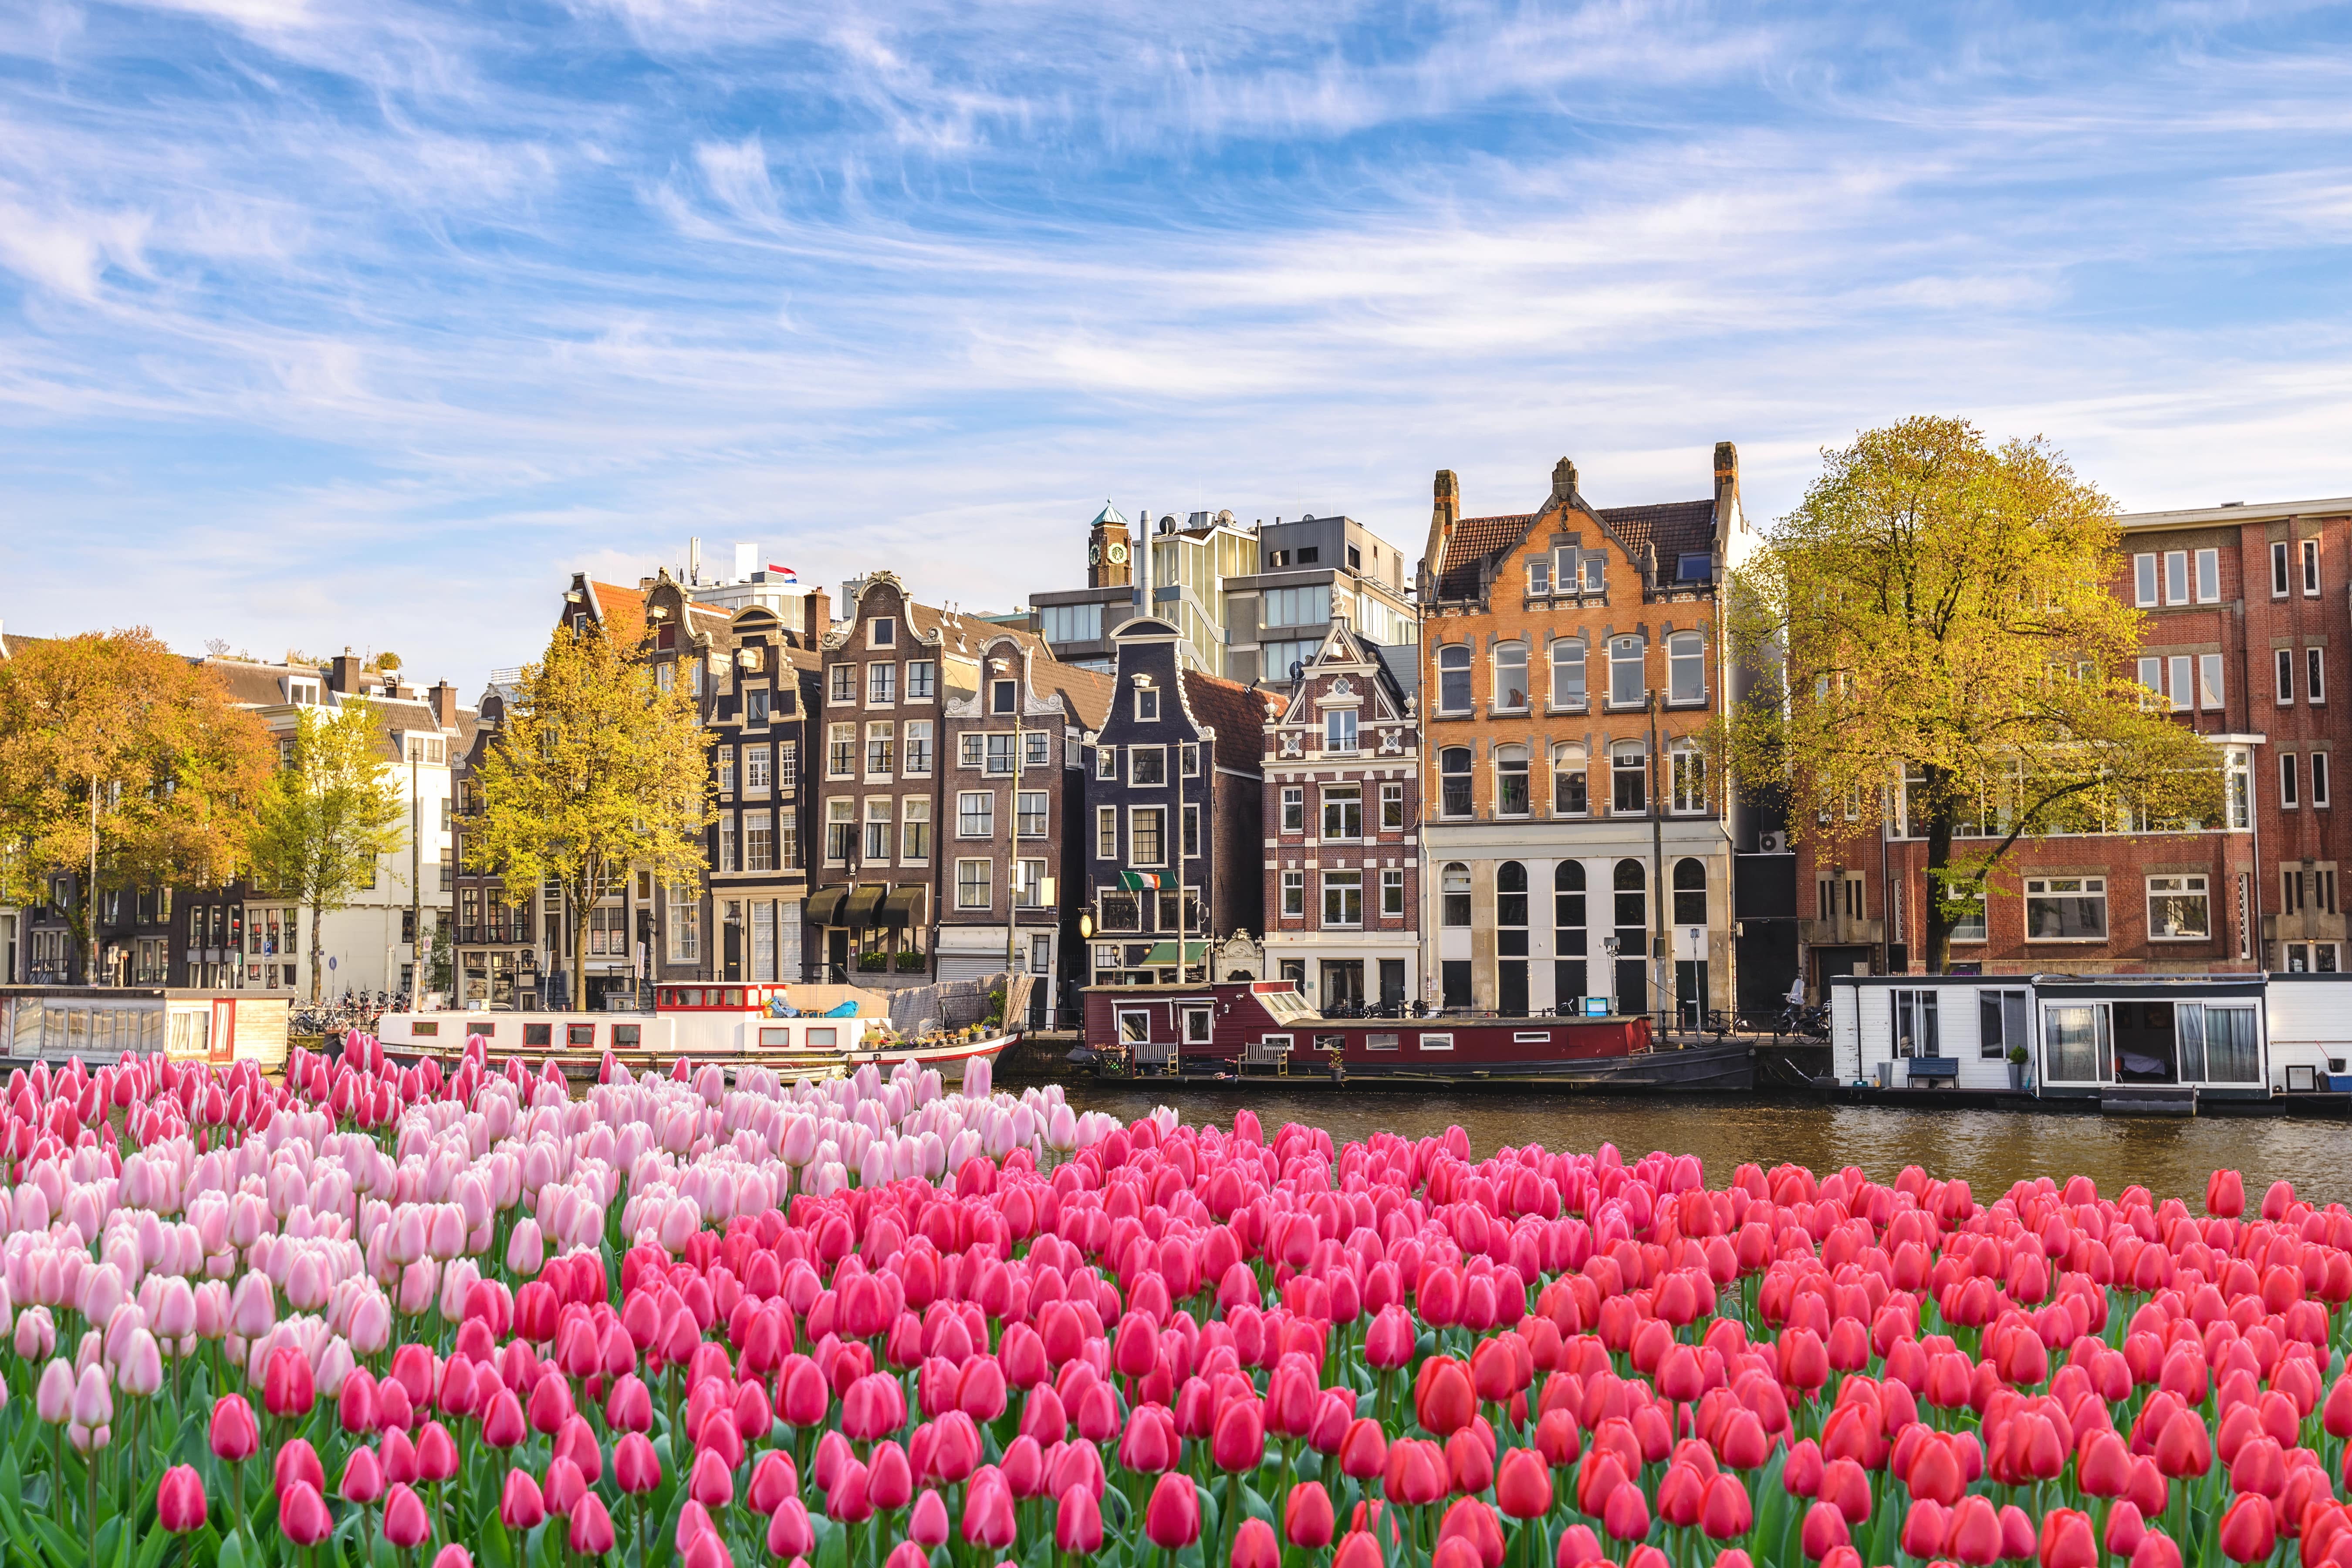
column 432, row 1317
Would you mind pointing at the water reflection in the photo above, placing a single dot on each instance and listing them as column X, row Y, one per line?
column 1991, row 1149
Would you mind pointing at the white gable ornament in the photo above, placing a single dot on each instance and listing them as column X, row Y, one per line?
column 1391, row 742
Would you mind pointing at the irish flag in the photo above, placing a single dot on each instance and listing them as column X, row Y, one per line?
column 1137, row 881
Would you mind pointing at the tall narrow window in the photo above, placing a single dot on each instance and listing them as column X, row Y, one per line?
column 1690, row 891
column 2314, row 680
column 1568, row 673
column 2151, row 675
column 1569, row 796
column 2208, row 577
column 2285, row 658
column 1629, row 792
column 2180, row 664
column 1568, row 937
column 2175, row 576
column 1454, row 888
column 2311, row 568
column 1510, row 781
column 2143, row 580
column 2278, row 570
column 1454, row 680
column 2318, row 778
column 1625, row 673
column 1689, row 771
column 1453, row 781
column 1686, row 668
column 1511, row 938
column 2209, row 682
column 1510, row 676
column 2287, row 775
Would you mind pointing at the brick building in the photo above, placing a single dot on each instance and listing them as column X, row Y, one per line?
column 2247, row 621
column 1342, row 815
column 1578, row 852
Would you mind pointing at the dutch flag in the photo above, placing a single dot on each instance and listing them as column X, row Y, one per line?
column 782, row 573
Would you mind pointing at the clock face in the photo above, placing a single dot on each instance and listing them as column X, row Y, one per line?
column 1118, row 552
column 1094, row 551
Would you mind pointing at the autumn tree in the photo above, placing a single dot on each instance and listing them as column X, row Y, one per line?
column 328, row 816
column 595, row 771
column 122, row 764
column 1938, row 616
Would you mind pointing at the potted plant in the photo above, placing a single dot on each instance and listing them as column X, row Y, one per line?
column 910, row 963
column 2017, row 1067
column 870, row 961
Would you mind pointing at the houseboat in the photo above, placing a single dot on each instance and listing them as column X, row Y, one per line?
column 1221, row 1030
column 800, row 1031
column 2142, row 1043
column 100, row 1023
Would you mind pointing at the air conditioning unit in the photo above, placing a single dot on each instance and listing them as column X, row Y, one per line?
column 1771, row 843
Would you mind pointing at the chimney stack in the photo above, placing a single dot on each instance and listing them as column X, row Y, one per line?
column 816, row 617
column 1563, row 481
column 1727, row 483
column 343, row 673
column 442, row 698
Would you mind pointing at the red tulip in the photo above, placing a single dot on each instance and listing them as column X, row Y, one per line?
column 1363, row 1452
column 1238, row 1443
column 636, row 1469
column 1523, row 1485
column 1975, row 1534
column 2249, row 1529
column 1415, row 1474
column 1308, row 1519
column 405, row 1525
column 2067, row 1540
column 503, row 1425
column 1925, row 1528
column 1389, row 1340
column 520, row 1507
column 287, row 1386
column 2225, row 1194
column 302, row 1515
column 296, row 1461
column 1171, row 1519
column 235, row 1435
column 988, row 1517
column 180, row 1504
column 1724, row 1511
column 2155, row 1550
column 791, row 1533
column 355, row 1402
column 1255, row 1546
column 1361, row 1548
column 1078, row 1522
column 1626, row 1515
column 2017, row 1538
column 1824, row 1528
column 363, row 1480
column 2124, row 1530
column 1444, row 1401
column 590, row 1530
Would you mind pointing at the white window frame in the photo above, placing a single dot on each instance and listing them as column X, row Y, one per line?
column 2315, row 676
column 1106, row 761
column 975, row 877
column 1568, row 655
column 1391, row 808
column 2318, row 780
column 1134, row 814
column 884, row 733
column 2289, row 776
column 2175, row 576
column 840, row 812
column 2182, row 887
column 2182, row 664
column 1106, row 833
column 2285, row 658
column 1453, row 658
column 841, row 746
column 2151, row 675
column 1686, row 771
column 916, row 763
column 1539, row 576
column 2144, row 581
column 1023, row 816
column 1437, row 1042
column 1685, row 649
column 2080, row 888
column 1339, row 731
column 2280, row 574
column 922, row 680
column 1392, row 894
column 881, row 686
column 976, row 814
column 2210, row 691
column 878, row 814
column 1336, row 799
column 914, row 847
column 1292, row 807
column 1628, row 653
column 2206, row 576
column 2311, row 568
column 1336, row 884
column 1502, row 702
column 1294, row 895
column 1138, row 754
column 841, row 685
column 1147, row 705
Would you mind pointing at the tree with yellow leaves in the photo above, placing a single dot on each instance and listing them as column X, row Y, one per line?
column 595, row 771
column 328, row 816
column 123, row 764
column 1940, row 612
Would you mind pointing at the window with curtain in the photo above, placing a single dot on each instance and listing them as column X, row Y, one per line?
column 1511, row 780
column 1568, row 787
column 1511, row 675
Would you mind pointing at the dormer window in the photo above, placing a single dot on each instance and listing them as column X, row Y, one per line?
column 882, row 634
column 304, row 693
column 1694, row 568
column 1147, row 705
column 1004, row 697
column 755, row 708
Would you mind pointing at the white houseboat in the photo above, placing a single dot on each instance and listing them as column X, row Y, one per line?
column 98, row 1024
column 2142, row 1043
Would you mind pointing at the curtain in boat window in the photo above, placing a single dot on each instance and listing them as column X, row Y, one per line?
column 2074, row 1048
column 2231, row 1054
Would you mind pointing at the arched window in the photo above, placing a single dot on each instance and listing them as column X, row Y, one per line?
column 1511, row 938
column 1686, row 668
column 1626, row 685
column 1454, row 884
column 1454, row 680
column 1690, row 892
column 1510, row 676
column 1569, row 796
column 1510, row 781
column 1568, row 674
column 1688, row 766
column 1629, row 787
column 1453, row 781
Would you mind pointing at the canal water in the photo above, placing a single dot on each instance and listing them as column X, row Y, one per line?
column 1991, row 1149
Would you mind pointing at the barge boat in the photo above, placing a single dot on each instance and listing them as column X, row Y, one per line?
column 1220, row 1030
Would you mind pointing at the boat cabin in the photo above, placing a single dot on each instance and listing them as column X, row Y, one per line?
column 2113, row 1039
column 100, row 1024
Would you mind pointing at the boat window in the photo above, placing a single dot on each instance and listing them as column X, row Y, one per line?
column 666, row 997
column 424, row 1028
column 691, row 998
column 2075, row 1045
column 538, row 1033
column 1196, row 1026
column 823, row 1039
column 579, row 1034
column 625, row 1036
column 480, row 1026
column 1437, row 1042
column 2231, row 1054
column 1134, row 1026
column 1531, row 1038
column 777, row 1037
column 734, row 998
column 1916, row 1025
column 1379, row 1042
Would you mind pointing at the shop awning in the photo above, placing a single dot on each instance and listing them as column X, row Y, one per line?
column 864, row 904
column 824, row 906
column 903, row 907
column 1165, row 952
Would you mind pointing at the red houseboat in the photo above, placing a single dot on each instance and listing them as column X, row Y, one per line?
column 1247, row 1027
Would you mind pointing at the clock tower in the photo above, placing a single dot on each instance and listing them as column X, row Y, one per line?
column 1110, row 562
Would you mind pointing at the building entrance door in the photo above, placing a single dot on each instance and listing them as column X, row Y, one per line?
column 1343, row 984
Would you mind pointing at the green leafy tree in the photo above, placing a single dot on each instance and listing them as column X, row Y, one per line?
column 330, row 815
column 123, row 764
column 1940, row 611
column 596, row 770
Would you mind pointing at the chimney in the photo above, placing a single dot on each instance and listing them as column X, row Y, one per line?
column 1563, row 482
column 343, row 673
column 816, row 617
column 1448, row 508
column 1727, row 485
column 442, row 698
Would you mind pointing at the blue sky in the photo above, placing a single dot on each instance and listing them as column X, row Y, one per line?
column 327, row 324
